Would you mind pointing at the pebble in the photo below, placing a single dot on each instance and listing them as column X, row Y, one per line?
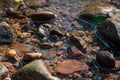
column 11, row 53
column 105, row 59
column 44, row 16
column 35, row 70
column 32, row 56
column 71, row 66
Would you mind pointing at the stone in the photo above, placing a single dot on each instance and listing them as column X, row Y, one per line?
column 6, row 33
column 73, row 52
column 35, row 70
column 11, row 53
column 95, row 13
column 32, row 56
column 44, row 16
column 29, row 12
column 108, row 32
column 71, row 66
column 105, row 59
column 6, row 64
column 3, row 71
column 37, row 3
column 4, row 2
column 46, row 45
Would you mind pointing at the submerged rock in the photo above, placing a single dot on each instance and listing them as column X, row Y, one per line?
column 44, row 16
column 6, row 34
column 35, row 70
column 71, row 66
column 105, row 59
column 108, row 32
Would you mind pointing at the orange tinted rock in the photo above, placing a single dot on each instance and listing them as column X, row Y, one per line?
column 32, row 56
column 70, row 66
column 11, row 53
column 6, row 64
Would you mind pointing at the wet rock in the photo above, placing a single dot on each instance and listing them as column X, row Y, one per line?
column 108, row 32
column 105, row 59
column 35, row 70
column 29, row 12
column 32, row 56
column 25, row 35
column 74, row 52
column 11, row 53
column 6, row 64
column 46, row 45
column 74, row 41
column 3, row 71
column 95, row 13
column 71, row 66
column 44, row 16
column 55, row 35
column 37, row 3
column 43, row 32
column 6, row 34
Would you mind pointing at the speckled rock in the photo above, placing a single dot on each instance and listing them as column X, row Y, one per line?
column 71, row 66
column 35, row 70
column 6, row 34
column 105, row 59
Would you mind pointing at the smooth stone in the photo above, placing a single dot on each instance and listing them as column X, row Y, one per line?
column 6, row 34
column 105, row 59
column 74, row 52
column 70, row 66
column 32, row 56
column 110, row 30
column 35, row 70
column 44, row 16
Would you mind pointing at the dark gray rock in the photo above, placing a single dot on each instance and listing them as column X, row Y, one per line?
column 105, row 59
column 6, row 34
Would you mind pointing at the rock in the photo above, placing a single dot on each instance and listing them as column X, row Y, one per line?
column 96, row 13
column 43, row 32
column 6, row 34
column 6, row 64
column 4, row 2
column 46, row 45
column 37, row 3
column 55, row 35
column 71, row 66
column 29, row 12
column 35, row 70
column 25, row 35
column 108, row 32
column 3, row 71
column 105, row 59
column 74, row 52
column 74, row 41
column 11, row 53
column 44, row 16
column 32, row 56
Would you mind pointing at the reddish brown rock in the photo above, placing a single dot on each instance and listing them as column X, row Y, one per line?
column 32, row 56
column 37, row 3
column 74, row 52
column 6, row 64
column 117, row 63
column 70, row 66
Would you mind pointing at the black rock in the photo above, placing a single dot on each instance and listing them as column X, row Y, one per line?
column 105, row 59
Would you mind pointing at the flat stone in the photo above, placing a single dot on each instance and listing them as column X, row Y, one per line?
column 35, row 70
column 74, row 52
column 71, row 66
column 6, row 34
